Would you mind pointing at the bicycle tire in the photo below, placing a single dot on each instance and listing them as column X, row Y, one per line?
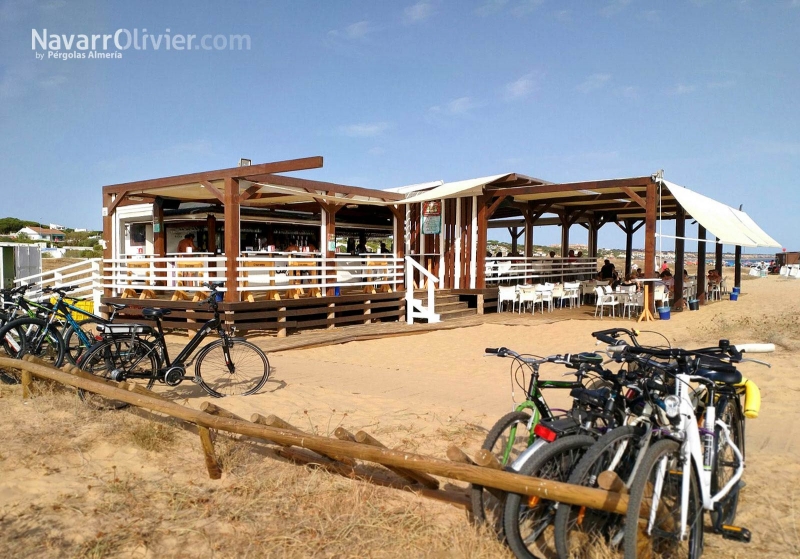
column 24, row 332
column 555, row 462
column 128, row 355
column 489, row 505
column 663, row 542
column 251, row 368
column 724, row 468
column 578, row 529
column 73, row 343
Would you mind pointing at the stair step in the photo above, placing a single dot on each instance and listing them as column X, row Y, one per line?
column 450, row 315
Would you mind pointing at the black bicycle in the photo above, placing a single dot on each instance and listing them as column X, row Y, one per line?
column 228, row 366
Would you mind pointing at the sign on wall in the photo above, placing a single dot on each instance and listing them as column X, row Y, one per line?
column 432, row 217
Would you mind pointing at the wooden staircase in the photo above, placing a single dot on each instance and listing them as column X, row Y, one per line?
column 446, row 304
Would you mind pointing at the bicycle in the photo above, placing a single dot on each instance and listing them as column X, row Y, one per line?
column 227, row 366
column 76, row 336
column 681, row 475
column 526, row 416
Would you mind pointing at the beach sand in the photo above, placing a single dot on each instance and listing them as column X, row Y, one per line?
column 425, row 392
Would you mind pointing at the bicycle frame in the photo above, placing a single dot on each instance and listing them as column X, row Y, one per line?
column 692, row 453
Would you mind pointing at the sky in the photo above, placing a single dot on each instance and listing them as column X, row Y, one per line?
column 396, row 93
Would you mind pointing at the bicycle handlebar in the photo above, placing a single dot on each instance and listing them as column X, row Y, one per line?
column 755, row 348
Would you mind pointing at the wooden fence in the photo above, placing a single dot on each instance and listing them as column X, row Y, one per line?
column 335, row 454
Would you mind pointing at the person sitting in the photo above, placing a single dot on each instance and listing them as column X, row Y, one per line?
column 607, row 271
column 629, row 281
column 187, row 244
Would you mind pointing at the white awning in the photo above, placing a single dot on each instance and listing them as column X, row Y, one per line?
column 730, row 226
column 469, row 187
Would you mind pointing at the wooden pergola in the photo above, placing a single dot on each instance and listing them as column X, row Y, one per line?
column 254, row 186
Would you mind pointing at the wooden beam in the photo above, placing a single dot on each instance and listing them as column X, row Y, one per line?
column 213, row 190
column 718, row 265
column 494, row 206
column 570, row 187
column 326, row 187
column 633, row 196
column 249, row 192
column 220, row 174
column 737, row 264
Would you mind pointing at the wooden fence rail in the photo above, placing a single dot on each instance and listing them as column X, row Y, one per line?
column 344, row 447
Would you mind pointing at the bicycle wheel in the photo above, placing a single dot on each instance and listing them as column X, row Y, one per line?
column 78, row 342
column 32, row 336
column 243, row 373
column 725, row 460
column 584, row 532
column 506, row 440
column 120, row 358
column 526, row 519
column 661, row 467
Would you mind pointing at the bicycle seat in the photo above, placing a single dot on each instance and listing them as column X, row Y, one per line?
column 596, row 398
column 155, row 313
column 116, row 306
column 722, row 376
column 124, row 329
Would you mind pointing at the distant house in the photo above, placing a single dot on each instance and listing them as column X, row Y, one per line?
column 57, row 227
column 42, row 234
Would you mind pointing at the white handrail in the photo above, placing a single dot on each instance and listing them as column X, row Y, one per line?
column 85, row 286
column 414, row 307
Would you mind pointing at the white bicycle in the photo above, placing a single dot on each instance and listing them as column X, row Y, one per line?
column 697, row 466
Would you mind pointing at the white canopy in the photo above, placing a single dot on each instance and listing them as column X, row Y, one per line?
column 730, row 226
column 469, row 187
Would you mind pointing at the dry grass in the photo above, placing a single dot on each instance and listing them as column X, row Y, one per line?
column 131, row 487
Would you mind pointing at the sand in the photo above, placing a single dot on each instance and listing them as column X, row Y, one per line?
column 428, row 391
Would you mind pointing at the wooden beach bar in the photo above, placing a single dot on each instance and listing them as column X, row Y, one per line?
column 292, row 252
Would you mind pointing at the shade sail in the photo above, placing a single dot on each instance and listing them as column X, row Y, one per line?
column 730, row 226
column 469, row 187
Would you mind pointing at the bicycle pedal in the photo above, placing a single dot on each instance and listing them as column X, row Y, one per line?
column 736, row 533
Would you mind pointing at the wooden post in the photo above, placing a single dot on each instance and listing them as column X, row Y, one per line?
column 214, row 409
column 212, row 465
column 482, row 232
column 701, row 264
column 486, row 459
column 628, row 246
column 565, row 224
column 514, row 238
column 27, row 381
column 211, row 225
column 718, row 266
column 737, row 265
column 232, row 239
column 457, row 455
column 281, row 318
column 680, row 233
column 650, row 239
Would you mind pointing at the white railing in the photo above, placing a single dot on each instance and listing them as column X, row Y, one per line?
column 163, row 274
column 414, row 307
column 519, row 269
column 83, row 277
column 290, row 272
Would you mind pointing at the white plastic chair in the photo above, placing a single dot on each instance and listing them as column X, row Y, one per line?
column 605, row 300
column 527, row 295
column 633, row 304
column 572, row 293
column 661, row 295
column 545, row 296
column 506, row 294
column 503, row 269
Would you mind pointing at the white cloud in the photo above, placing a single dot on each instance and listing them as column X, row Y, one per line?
column 519, row 88
column 357, row 30
column 418, row 12
column 593, row 82
column 682, row 89
column 629, row 92
column 364, row 129
column 459, row 106
column 614, row 7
